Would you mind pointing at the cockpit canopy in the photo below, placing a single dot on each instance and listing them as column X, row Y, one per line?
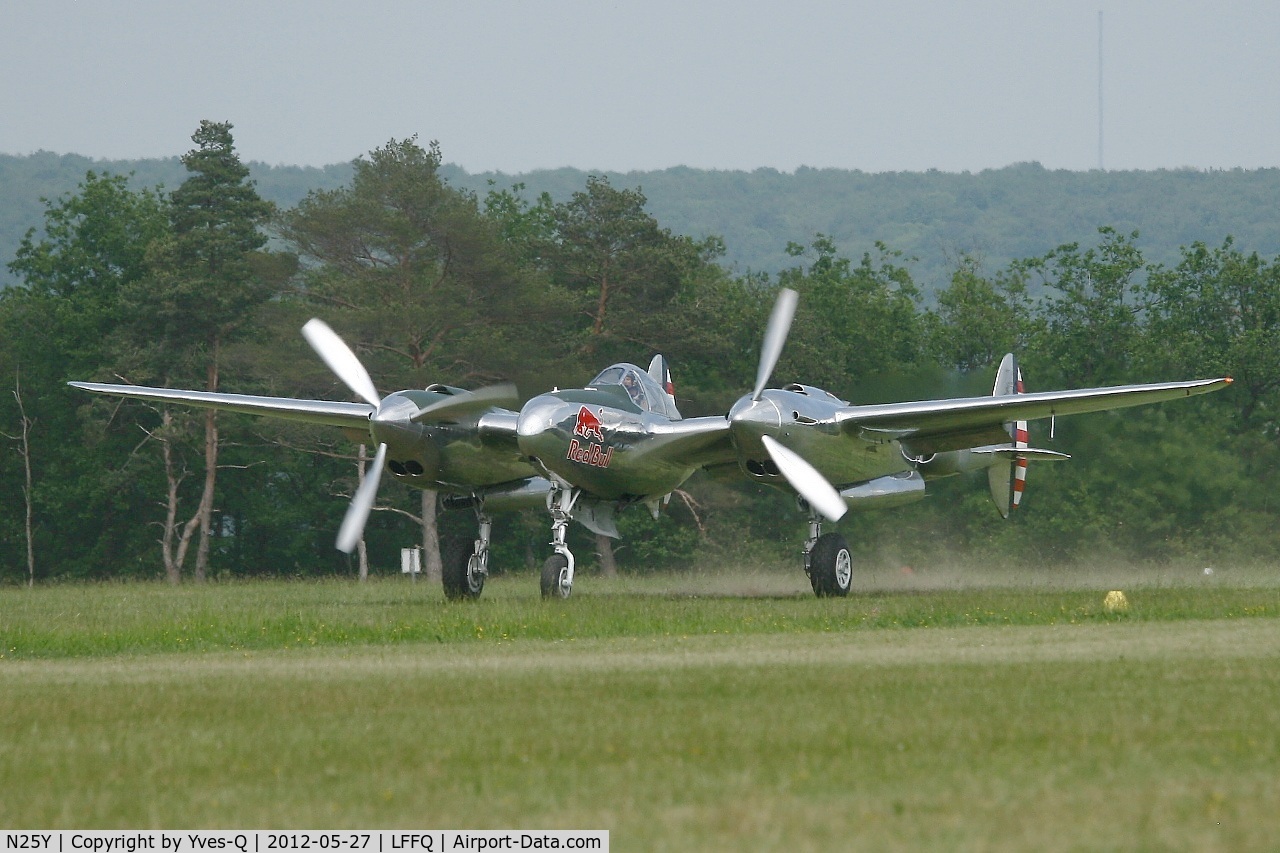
column 643, row 390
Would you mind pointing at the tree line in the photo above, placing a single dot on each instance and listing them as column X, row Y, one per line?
column 206, row 286
column 933, row 217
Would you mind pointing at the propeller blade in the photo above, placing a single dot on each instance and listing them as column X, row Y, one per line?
column 341, row 360
column 352, row 529
column 503, row 395
column 806, row 480
column 775, row 336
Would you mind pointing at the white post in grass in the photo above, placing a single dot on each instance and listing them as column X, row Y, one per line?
column 411, row 562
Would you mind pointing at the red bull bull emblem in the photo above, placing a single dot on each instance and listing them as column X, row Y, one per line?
column 591, row 451
column 588, row 426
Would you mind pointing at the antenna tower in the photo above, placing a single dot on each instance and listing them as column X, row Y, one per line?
column 1101, row 167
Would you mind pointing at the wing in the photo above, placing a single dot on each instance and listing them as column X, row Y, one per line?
column 324, row 412
column 939, row 425
column 697, row 442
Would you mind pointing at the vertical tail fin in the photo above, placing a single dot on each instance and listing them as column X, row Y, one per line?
column 1007, row 480
column 660, row 372
column 1021, row 437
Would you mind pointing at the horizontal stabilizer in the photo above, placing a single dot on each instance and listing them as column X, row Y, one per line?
column 1011, row 452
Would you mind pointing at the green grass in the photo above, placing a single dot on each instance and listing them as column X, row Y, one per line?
column 141, row 618
column 704, row 712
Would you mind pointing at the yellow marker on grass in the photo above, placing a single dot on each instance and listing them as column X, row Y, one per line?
column 1115, row 602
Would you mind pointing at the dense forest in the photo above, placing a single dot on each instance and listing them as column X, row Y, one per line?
column 198, row 273
column 933, row 218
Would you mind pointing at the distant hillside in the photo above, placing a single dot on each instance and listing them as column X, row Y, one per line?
column 996, row 215
column 24, row 181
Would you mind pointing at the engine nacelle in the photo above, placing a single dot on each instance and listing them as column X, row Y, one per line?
column 885, row 492
column 509, row 497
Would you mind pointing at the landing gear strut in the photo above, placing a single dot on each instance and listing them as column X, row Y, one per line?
column 557, row 571
column 464, row 569
column 827, row 560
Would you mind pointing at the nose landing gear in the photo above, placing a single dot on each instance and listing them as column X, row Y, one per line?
column 557, row 571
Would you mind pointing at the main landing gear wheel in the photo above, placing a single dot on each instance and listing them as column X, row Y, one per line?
column 461, row 580
column 555, row 577
column 831, row 566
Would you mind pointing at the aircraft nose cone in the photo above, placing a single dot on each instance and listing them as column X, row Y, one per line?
column 395, row 407
column 751, row 419
column 390, row 424
column 763, row 412
column 538, row 416
column 392, row 416
column 538, row 428
column 410, row 450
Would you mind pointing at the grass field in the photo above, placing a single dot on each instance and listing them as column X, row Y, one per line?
column 716, row 711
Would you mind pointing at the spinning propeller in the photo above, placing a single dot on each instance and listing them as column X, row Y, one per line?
column 347, row 367
column 388, row 414
column 803, row 477
column 775, row 337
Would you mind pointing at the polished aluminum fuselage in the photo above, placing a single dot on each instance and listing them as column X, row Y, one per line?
column 601, row 442
column 636, row 454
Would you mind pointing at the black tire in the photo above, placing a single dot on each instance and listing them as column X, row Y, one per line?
column 551, row 570
column 831, row 566
column 454, row 559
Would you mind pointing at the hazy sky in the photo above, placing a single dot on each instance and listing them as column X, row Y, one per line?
column 514, row 86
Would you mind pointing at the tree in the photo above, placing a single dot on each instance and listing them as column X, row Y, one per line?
column 1091, row 331
column 95, row 240
column 979, row 319
column 408, row 269
column 205, row 279
column 526, row 228
column 1218, row 313
column 23, row 439
column 59, row 325
column 94, row 246
column 623, row 269
column 852, row 320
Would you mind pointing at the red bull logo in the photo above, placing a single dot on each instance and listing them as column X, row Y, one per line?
column 588, row 426
column 590, row 451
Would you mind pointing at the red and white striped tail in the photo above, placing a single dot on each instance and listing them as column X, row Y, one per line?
column 1007, row 474
column 1021, row 439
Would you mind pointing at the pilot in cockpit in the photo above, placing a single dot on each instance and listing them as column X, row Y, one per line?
column 632, row 384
